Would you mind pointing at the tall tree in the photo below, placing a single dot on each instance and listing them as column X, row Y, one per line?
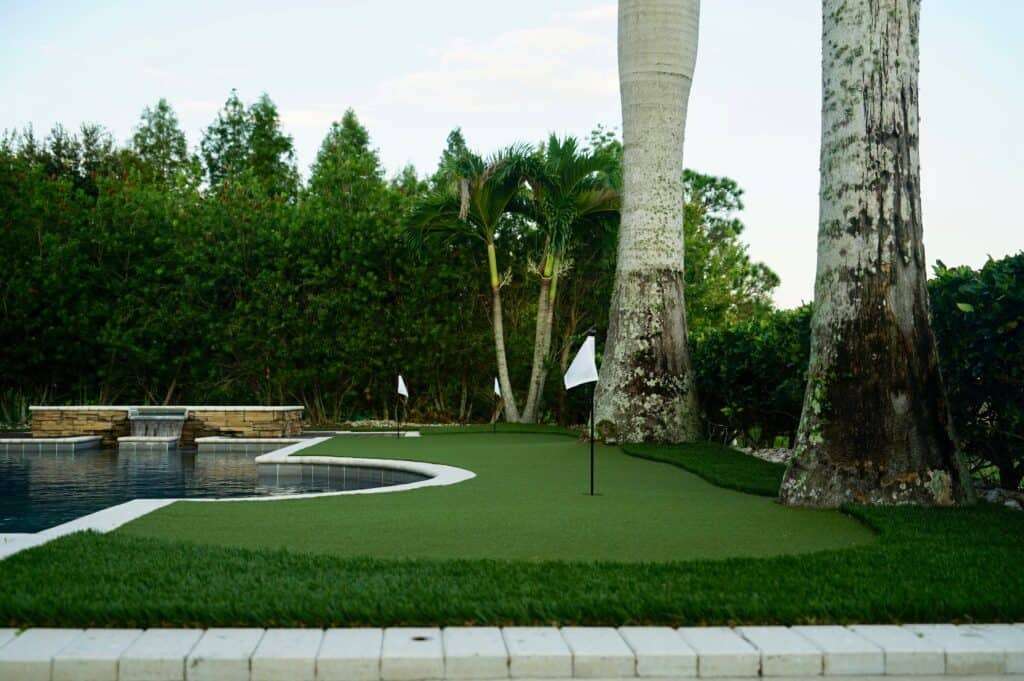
column 471, row 206
column 225, row 144
column 571, row 195
column 271, row 152
column 723, row 285
column 875, row 426
column 647, row 389
column 351, row 215
column 160, row 142
column 346, row 162
column 250, row 142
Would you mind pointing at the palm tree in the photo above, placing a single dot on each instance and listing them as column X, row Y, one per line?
column 570, row 194
column 469, row 204
column 647, row 389
column 875, row 426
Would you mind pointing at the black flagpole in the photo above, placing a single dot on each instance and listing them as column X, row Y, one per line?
column 398, row 419
column 592, row 388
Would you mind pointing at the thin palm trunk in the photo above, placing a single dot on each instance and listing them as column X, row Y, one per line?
column 646, row 391
column 497, row 323
column 875, row 427
column 541, row 342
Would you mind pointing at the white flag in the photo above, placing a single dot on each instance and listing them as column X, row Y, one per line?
column 402, row 390
column 497, row 388
column 583, row 368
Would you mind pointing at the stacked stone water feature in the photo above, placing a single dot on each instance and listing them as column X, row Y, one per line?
column 154, row 428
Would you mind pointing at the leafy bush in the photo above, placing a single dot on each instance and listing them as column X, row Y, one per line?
column 750, row 376
column 978, row 317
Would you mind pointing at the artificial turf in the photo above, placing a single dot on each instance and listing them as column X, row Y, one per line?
column 528, row 501
column 719, row 465
column 926, row 565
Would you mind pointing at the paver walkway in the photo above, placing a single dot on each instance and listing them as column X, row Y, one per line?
column 427, row 653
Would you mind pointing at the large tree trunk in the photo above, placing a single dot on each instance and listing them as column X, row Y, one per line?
column 875, row 427
column 646, row 391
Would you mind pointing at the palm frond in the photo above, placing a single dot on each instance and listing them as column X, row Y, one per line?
column 436, row 215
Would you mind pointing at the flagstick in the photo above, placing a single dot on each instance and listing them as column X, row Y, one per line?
column 398, row 418
column 592, row 389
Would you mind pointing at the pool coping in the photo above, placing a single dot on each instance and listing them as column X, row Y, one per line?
column 125, row 407
column 113, row 517
column 69, row 444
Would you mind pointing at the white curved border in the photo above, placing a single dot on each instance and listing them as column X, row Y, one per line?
column 113, row 517
column 437, row 475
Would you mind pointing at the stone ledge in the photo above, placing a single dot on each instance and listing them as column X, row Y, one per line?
column 55, row 445
column 68, row 440
column 112, row 422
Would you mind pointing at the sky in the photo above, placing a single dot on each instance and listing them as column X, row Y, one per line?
column 509, row 72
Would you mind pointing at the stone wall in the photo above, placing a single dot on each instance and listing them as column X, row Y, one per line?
column 238, row 423
column 112, row 422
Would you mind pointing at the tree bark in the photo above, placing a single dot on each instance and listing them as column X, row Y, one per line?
column 646, row 391
column 497, row 323
column 541, row 343
column 875, row 427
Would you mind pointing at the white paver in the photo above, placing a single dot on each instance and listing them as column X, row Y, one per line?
column 967, row 652
column 599, row 653
column 158, row 655
column 537, row 653
column 94, row 655
column 660, row 651
column 350, row 655
column 412, row 654
column 475, row 653
column 1010, row 637
column 844, row 652
column 30, row 656
column 287, row 655
column 722, row 652
column 222, row 655
column 6, row 636
column 905, row 652
column 784, row 652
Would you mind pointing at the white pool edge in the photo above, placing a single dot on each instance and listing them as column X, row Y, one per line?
column 113, row 517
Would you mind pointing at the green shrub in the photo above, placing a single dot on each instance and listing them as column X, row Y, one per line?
column 978, row 318
column 751, row 376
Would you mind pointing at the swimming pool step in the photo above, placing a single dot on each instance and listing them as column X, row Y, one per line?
column 255, row 445
column 147, row 443
column 938, row 651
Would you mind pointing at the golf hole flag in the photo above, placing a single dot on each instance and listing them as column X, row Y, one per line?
column 402, row 390
column 583, row 368
column 497, row 388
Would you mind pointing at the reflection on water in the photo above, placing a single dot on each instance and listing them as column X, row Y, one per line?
column 38, row 491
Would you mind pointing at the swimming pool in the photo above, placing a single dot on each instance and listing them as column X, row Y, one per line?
column 38, row 490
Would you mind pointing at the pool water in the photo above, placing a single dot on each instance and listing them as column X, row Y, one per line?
column 38, row 491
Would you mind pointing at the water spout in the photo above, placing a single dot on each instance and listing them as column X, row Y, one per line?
column 157, row 421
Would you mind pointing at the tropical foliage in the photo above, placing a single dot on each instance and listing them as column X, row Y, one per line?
column 158, row 273
column 978, row 318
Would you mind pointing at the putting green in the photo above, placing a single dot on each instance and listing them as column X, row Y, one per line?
column 528, row 502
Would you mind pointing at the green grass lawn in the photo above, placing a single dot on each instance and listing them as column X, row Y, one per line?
column 527, row 502
column 522, row 543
